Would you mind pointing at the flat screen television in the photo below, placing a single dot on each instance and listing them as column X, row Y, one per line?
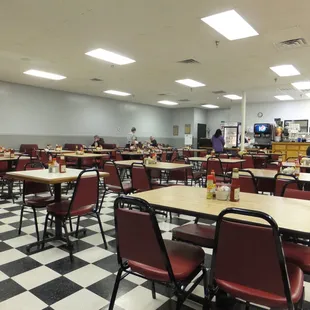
column 263, row 128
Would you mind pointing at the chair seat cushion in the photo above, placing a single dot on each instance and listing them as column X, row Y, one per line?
column 184, row 259
column 39, row 201
column 268, row 299
column 61, row 209
column 196, row 175
column 297, row 254
column 198, row 234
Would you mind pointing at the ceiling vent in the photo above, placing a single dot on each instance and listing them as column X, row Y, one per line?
column 184, row 100
column 219, row 92
column 96, row 80
column 290, row 44
column 189, row 61
column 288, row 88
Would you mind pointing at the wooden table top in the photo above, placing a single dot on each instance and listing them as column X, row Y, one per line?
column 290, row 214
column 54, row 151
column 193, row 150
column 159, row 165
column 223, row 160
column 90, row 149
column 2, row 158
column 43, row 176
column 85, row 155
column 292, row 164
column 270, row 174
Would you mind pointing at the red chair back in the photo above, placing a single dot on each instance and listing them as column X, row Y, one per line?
column 139, row 178
column 203, row 154
column 236, row 257
column 215, row 164
column 280, row 183
column 88, row 162
column 138, row 236
column 114, row 178
column 174, row 155
column 180, row 174
column 118, row 156
column 86, row 190
column 21, row 162
column 247, row 182
column 249, row 162
column 295, row 193
column 223, row 155
column 4, row 166
column 163, row 156
column 44, row 157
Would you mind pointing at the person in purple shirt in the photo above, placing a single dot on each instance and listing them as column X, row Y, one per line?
column 218, row 141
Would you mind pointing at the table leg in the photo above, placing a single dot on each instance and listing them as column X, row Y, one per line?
column 79, row 163
column 58, row 223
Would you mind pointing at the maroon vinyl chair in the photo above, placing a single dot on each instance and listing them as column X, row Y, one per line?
column 240, row 270
column 247, row 182
column 174, row 155
column 85, row 201
column 141, row 251
column 29, row 149
column 290, row 180
column 249, row 162
column 289, row 192
column 113, row 182
column 32, row 198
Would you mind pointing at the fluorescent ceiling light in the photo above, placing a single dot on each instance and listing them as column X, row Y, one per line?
column 231, row 25
column 302, row 85
column 285, row 70
column 167, row 102
column 45, row 75
column 116, row 92
column 190, row 83
column 284, row 97
column 210, row 106
column 308, row 95
column 110, row 57
column 233, row 97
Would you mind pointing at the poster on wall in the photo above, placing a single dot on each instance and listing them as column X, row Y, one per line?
column 188, row 140
column 187, row 130
column 175, row 130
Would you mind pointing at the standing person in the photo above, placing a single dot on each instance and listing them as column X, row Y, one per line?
column 218, row 141
column 153, row 142
column 131, row 137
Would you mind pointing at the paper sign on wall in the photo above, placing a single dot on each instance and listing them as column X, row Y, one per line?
column 188, row 139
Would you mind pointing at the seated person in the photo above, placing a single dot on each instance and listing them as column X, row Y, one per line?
column 97, row 141
column 153, row 142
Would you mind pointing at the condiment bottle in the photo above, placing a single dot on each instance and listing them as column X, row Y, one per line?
column 210, row 186
column 50, row 164
column 212, row 153
column 62, row 165
column 235, row 186
column 280, row 164
column 297, row 168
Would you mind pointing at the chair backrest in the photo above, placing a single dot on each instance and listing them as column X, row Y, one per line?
column 31, row 188
column 294, row 193
column 114, row 178
column 86, row 191
column 179, row 174
column 72, row 146
column 174, row 155
column 249, row 162
column 281, row 180
column 214, row 163
column 223, row 155
column 21, row 162
column 237, row 254
column 139, row 178
column 138, row 236
column 203, row 154
column 29, row 149
column 163, row 156
column 4, row 166
column 109, row 146
column 247, row 182
column 44, row 157
column 118, row 156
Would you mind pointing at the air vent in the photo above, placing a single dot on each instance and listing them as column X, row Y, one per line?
column 184, row 100
column 96, row 80
column 219, row 92
column 290, row 44
column 288, row 88
column 188, row 61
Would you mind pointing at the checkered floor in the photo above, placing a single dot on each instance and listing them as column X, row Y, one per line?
column 48, row 279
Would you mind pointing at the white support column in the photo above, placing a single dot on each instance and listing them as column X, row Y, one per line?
column 243, row 113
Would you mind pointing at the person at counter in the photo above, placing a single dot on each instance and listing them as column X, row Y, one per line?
column 153, row 142
column 97, row 141
column 218, row 141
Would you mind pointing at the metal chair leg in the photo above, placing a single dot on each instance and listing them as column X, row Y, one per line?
column 115, row 289
column 36, row 223
column 45, row 229
column 70, row 222
column 77, row 227
column 153, row 290
column 102, row 232
column 21, row 220
column 69, row 243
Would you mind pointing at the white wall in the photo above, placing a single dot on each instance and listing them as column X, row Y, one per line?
column 283, row 110
column 200, row 117
column 33, row 111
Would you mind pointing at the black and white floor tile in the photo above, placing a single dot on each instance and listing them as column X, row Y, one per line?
column 49, row 280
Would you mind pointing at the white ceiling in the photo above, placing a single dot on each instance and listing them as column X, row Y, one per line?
column 54, row 36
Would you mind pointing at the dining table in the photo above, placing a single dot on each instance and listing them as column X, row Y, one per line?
column 80, row 157
column 158, row 166
column 54, row 179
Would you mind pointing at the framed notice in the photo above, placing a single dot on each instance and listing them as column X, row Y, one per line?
column 188, row 140
column 175, row 130
column 187, row 130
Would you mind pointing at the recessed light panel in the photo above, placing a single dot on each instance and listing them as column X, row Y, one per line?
column 190, row 83
column 233, row 97
column 231, row 25
column 45, row 75
column 167, row 102
column 285, row 70
column 116, row 93
column 210, row 106
column 302, row 85
column 284, row 97
column 110, row 57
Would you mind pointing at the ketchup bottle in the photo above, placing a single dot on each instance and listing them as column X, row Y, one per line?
column 235, row 186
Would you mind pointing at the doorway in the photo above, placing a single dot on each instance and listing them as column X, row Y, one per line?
column 201, row 132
